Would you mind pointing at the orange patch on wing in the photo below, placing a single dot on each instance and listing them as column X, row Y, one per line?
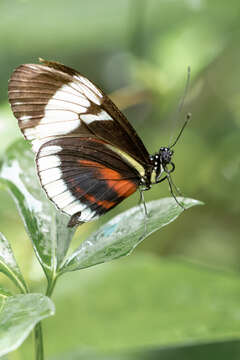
column 110, row 175
column 123, row 187
column 113, row 178
column 90, row 163
column 104, row 203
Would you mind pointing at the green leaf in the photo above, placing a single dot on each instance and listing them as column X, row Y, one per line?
column 219, row 350
column 18, row 316
column 9, row 266
column 4, row 292
column 45, row 225
column 124, row 232
column 145, row 301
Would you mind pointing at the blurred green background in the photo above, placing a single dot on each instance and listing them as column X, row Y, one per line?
column 145, row 45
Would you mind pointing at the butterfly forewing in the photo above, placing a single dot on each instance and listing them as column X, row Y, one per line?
column 45, row 105
column 52, row 100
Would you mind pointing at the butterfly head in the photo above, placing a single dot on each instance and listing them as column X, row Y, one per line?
column 165, row 156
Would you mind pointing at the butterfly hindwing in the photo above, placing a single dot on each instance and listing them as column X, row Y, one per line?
column 84, row 177
column 51, row 100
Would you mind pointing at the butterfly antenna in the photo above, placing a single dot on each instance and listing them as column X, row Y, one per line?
column 180, row 106
column 188, row 117
column 182, row 101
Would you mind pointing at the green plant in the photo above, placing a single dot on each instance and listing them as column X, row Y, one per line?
column 46, row 226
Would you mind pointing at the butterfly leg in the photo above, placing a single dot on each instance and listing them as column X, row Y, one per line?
column 164, row 178
column 171, row 185
column 142, row 201
column 177, row 190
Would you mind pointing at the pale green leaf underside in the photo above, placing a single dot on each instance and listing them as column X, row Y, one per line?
column 18, row 316
column 9, row 266
column 124, row 232
column 46, row 226
column 4, row 293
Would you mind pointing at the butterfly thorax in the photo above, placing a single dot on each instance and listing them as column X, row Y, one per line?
column 159, row 165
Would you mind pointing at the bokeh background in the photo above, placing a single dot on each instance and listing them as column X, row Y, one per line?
column 143, row 48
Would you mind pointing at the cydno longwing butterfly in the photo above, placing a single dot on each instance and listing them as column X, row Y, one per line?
column 89, row 158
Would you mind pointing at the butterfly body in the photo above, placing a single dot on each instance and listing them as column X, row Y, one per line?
column 89, row 158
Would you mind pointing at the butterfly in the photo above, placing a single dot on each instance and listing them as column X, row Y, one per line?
column 89, row 158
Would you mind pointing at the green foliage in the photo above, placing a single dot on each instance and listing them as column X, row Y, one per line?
column 4, row 292
column 19, row 314
column 220, row 350
column 142, row 301
column 124, row 232
column 9, row 266
column 47, row 228
column 117, row 44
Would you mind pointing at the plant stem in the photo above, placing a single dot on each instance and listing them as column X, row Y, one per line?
column 51, row 286
column 39, row 353
column 38, row 336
